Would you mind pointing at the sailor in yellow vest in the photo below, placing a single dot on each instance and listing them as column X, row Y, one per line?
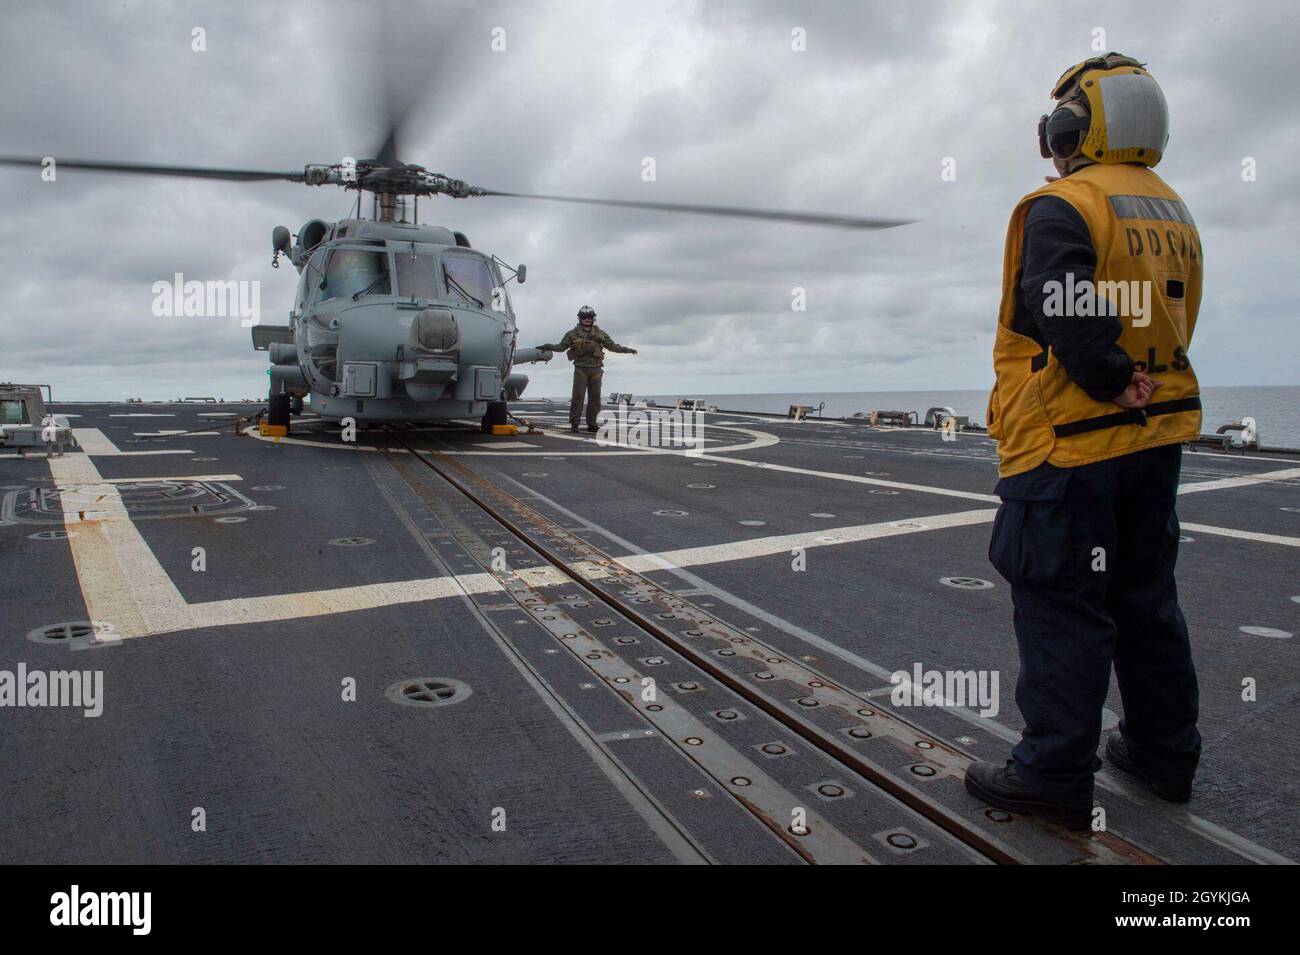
column 1094, row 395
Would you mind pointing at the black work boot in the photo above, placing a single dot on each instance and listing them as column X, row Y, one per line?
column 1000, row 786
column 593, row 428
column 1117, row 755
column 573, row 428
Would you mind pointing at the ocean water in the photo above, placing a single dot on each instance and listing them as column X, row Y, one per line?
column 1276, row 410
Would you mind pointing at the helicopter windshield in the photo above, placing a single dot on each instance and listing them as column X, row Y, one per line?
column 356, row 272
column 416, row 275
column 467, row 278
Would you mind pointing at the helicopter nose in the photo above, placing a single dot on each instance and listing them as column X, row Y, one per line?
column 435, row 330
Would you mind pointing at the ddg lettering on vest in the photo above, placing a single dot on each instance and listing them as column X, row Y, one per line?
column 103, row 908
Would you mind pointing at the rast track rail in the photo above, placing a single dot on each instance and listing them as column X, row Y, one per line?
column 886, row 753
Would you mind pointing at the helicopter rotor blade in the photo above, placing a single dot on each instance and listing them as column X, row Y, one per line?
column 144, row 169
column 423, row 54
column 736, row 212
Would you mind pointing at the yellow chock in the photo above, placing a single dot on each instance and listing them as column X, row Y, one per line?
column 505, row 429
column 272, row 430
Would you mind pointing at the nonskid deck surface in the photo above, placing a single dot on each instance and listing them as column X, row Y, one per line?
column 326, row 564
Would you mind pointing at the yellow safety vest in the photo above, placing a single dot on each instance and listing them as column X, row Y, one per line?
column 1143, row 234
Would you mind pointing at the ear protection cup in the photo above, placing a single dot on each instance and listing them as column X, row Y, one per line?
column 1060, row 134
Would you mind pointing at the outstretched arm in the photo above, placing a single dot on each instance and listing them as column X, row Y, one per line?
column 615, row 346
column 562, row 345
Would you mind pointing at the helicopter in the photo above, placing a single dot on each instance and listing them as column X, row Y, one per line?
column 394, row 321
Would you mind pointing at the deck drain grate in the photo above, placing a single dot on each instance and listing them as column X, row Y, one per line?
column 966, row 583
column 429, row 691
column 74, row 633
column 351, row 541
column 49, row 536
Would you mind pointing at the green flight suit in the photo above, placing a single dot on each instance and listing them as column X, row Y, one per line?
column 586, row 349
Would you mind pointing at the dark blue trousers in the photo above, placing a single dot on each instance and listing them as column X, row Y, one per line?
column 1089, row 553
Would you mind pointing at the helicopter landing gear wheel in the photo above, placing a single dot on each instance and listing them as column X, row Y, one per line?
column 277, row 412
column 496, row 414
column 295, row 404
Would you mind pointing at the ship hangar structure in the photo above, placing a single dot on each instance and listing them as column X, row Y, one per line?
column 432, row 644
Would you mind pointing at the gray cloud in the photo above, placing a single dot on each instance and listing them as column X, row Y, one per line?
column 712, row 91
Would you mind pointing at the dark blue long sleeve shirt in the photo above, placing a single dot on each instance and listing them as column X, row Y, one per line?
column 1057, row 242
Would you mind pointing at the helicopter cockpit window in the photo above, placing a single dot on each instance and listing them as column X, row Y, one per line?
column 417, row 274
column 467, row 279
column 356, row 272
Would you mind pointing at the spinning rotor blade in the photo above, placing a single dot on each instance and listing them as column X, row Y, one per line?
column 774, row 215
column 182, row 172
column 423, row 53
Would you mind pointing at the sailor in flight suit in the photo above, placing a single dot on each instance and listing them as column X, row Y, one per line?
column 1094, row 396
column 586, row 344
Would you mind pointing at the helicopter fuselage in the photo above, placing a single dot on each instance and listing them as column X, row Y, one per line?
column 393, row 322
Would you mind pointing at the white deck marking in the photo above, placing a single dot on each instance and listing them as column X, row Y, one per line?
column 171, row 477
column 316, row 603
column 94, row 442
column 121, row 580
column 784, row 543
column 1241, row 535
column 854, row 478
column 172, row 434
column 504, row 444
column 1244, row 480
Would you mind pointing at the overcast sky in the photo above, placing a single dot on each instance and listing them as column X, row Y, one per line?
column 860, row 122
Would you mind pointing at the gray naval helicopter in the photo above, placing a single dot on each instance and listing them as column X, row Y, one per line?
column 396, row 321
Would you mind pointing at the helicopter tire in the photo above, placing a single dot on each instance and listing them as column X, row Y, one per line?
column 277, row 410
column 295, row 404
column 497, row 413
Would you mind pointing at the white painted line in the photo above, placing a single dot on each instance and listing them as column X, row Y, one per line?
column 785, row 543
column 172, row 477
column 1242, row 481
column 121, row 580
column 1241, row 535
column 172, row 434
column 142, row 454
column 504, row 444
column 145, row 414
column 242, row 610
column 852, row 478
column 94, row 441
